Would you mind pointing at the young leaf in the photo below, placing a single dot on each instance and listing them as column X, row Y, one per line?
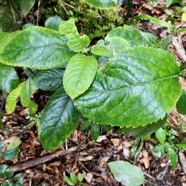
column 14, row 144
column 5, row 171
column 145, row 131
column 181, row 104
column 36, row 47
column 53, row 22
column 172, row 155
column 80, row 177
column 85, row 125
column 58, row 120
column 49, row 79
column 8, row 78
column 69, row 181
column 10, row 154
column 134, row 36
column 161, row 135
column 73, row 178
column 95, row 131
column 76, row 42
column 102, row 3
column 127, row 174
column 132, row 84
column 27, row 90
column 79, row 74
column 12, row 99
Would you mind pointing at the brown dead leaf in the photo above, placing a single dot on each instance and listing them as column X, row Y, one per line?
column 103, row 160
column 89, row 177
column 116, row 141
column 87, row 158
column 145, row 159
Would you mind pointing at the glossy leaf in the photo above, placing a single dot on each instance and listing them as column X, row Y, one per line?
column 53, row 22
column 181, row 104
column 132, row 84
column 145, row 131
column 76, row 42
column 58, row 121
column 12, row 99
column 102, row 3
column 134, row 36
column 8, row 78
column 36, row 47
column 127, row 174
column 79, row 74
column 161, row 135
column 6, row 172
column 27, row 90
column 49, row 79
column 10, row 154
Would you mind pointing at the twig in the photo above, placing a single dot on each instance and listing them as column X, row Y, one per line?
column 40, row 160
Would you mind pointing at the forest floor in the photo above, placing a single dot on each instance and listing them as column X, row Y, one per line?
column 80, row 153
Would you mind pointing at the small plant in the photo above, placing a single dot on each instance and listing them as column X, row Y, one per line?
column 75, row 179
column 166, row 138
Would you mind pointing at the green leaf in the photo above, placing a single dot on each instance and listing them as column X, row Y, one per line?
column 1, row 149
column 95, row 131
column 145, row 131
column 154, row 20
column 69, row 181
column 7, row 183
column 27, row 90
column 161, row 135
column 10, row 154
column 26, row 6
column 73, row 178
column 18, row 177
column 80, row 177
column 58, row 121
column 53, row 22
column 5, row 172
column 14, row 144
column 49, row 79
column 181, row 146
column 85, row 125
column 172, row 155
column 12, row 99
column 159, row 149
column 36, row 47
column 127, row 174
column 79, row 74
column 8, row 78
column 134, row 36
column 132, row 84
column 76, row 42
column 181, row 104
column 102, row 3
column 171, row 2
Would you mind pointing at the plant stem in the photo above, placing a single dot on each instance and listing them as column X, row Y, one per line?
column 129, row 10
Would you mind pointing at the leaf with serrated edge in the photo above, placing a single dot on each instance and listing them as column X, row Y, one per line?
column 127, row 174
column 36, row 48
column 76, row 42
column 102, row 3
column 79, row 74
column 135, row 88
column 9, row 79
column 58, row 120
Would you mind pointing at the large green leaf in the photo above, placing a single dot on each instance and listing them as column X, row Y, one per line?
column 135, row 88
column 76, row 42
column 181, row 104
column 102, row 3
column 36, row 47
column 127, row 174
column 79, row 74
column 58, row 121
column 134, row 36
column 49, row 79
column 8, row 78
